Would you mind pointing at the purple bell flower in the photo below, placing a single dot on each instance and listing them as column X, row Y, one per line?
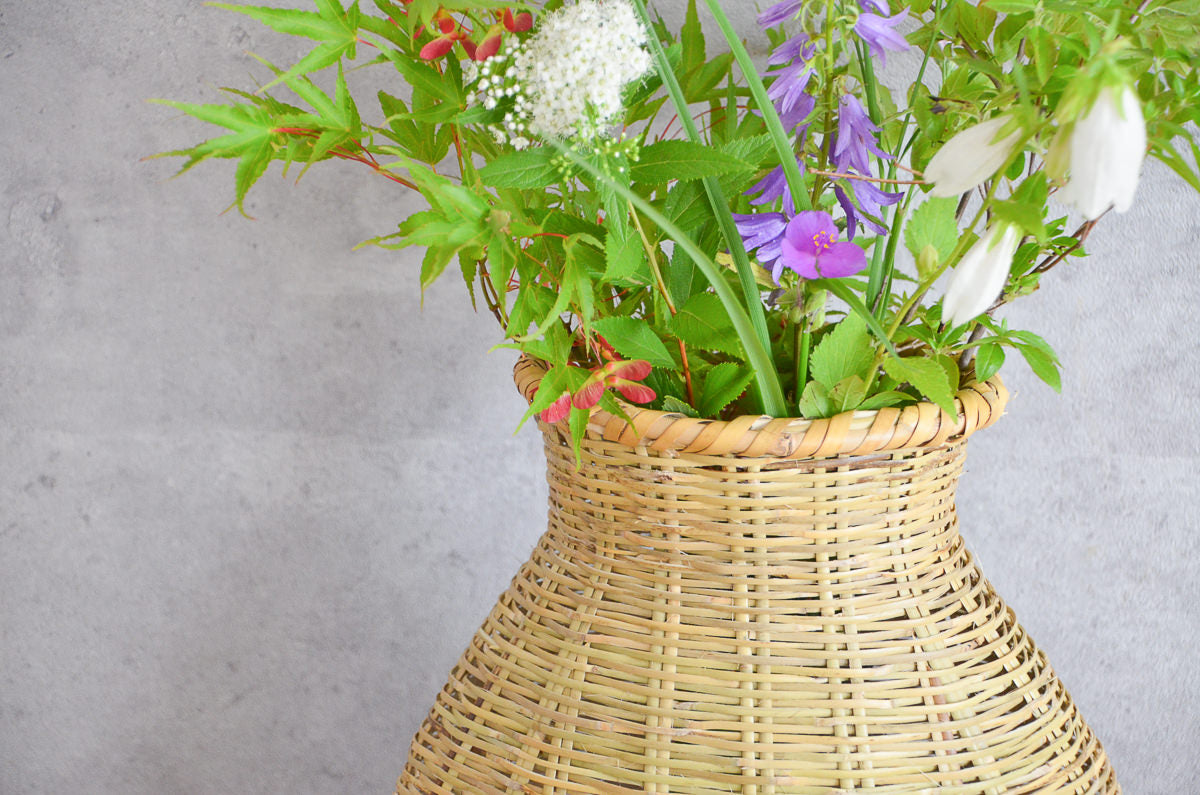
column 855, row 137
column 764, row 231
column 877, row 31
column 774, row 186
column 779, row 13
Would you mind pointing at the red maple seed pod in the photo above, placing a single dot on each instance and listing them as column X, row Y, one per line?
column 634, row 371
column 517, row 23
column 634, row 393
column 489, row 47
column 589, row 394
column 437, row 48
column 559, row 409
column 471, row 48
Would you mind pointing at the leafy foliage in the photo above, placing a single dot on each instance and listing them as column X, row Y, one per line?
column 629, row 250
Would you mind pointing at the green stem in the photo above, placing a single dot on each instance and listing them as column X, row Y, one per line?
column 803, row 344
column 652, row 258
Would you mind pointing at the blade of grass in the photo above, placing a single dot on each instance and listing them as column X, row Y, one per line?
column 759, row 355
column 716, row 194
column 779, row 137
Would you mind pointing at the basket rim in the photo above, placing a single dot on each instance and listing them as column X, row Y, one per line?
column 758, row 436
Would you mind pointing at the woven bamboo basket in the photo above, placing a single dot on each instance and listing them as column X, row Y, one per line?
column 758, row 606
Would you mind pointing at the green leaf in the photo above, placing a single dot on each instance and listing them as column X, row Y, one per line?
column 525, row 170
column 927, row 376
column 623, row 256
column 848, row 395
column 1029, row 218
column 579, row 425
column 1040, row 357
column 703, row 323
column 634, row 339
column 725, row 383
column 692, row 38
column 674, row 405
column 988, row 361
column 554, row 347
column 884, row 400
column 842, row 290
column 334, row 27
column 845, row 351
column 933, row 224
column 815, row 403
column 252, row 166
column 682, row 160
column 1043, row 367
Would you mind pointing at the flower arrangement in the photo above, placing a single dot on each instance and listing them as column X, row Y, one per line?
column 677, row 229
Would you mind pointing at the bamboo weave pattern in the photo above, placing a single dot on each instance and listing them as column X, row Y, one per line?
column 758, row 607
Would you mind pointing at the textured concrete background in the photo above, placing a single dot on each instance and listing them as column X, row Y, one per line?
column 253, row 502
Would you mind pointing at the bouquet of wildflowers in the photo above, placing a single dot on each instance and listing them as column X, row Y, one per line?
column 666, row 224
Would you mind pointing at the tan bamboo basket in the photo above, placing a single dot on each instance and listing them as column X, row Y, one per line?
column 761, row 606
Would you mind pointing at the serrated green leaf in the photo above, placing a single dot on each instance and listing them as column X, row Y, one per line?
column 579, row 424
column 703, row 323
column 724, row 384
column 927, row 376
column 666, row 161
column 933, row 224
column 692, row 38
column 525, row 170
column 674, row 405
column 845, row 351
column 623, row 256
column 634, row 339
column 1029, row 218
column 334, row 27
column 252, row 166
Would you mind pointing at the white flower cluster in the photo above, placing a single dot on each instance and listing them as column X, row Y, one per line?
column 566, row 80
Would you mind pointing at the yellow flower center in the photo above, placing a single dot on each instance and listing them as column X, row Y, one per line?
column 822, row 241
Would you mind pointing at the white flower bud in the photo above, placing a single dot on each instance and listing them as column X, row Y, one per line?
column 980, row 275
column 1108, row 146
column 970, row 157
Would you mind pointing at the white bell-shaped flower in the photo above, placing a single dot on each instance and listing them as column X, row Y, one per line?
column 980, row 274
column 970, row 157
column 1108, row 146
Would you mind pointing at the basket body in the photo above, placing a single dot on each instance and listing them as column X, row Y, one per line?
column 697, row 620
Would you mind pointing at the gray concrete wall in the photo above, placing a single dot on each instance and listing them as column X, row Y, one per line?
column 253, row 501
